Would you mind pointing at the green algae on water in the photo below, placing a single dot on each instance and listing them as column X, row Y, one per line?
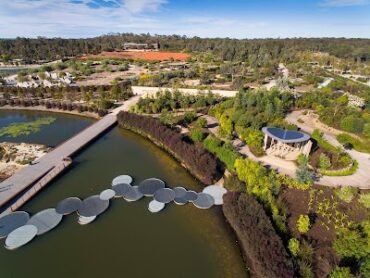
column 25, row 128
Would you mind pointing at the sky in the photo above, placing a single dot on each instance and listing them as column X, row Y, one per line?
column 202, row 18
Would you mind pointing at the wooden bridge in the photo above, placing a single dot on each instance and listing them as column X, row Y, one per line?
column 25, row 183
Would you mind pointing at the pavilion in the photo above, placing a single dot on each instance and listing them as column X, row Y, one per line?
column 286, row 144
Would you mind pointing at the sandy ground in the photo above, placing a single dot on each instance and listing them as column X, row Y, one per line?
column 106, row 78
column 17, row 155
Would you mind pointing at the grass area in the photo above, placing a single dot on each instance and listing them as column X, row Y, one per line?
column 25, row 128
column 354, row 143
column 317, row 135
column 341, row 173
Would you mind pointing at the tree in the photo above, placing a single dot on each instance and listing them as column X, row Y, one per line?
column 167, row 118
column 352, row 124
column 303, row 224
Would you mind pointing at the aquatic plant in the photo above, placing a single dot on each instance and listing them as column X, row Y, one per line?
column 25, row 128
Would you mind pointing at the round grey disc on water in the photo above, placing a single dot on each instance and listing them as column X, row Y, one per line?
column 93, row 206
column 180, row 192
column 164, row 195
column 121, row 189
column 204, row 201
column 45, row 220
column 191, row 196
column 82, row 220
column 122, row 179
column 107, row 194
column 20, row 236
column 68, row 206
column 155, row 206
column 149, row 186
column 217, row 192
column 12, row 221
column 180, row 201
column 133, row 194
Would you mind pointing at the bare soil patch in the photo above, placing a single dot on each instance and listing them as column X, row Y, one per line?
column 148, row 56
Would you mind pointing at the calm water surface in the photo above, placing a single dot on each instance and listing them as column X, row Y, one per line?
column 127, row 240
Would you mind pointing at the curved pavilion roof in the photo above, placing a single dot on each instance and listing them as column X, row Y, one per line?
column 286, row 136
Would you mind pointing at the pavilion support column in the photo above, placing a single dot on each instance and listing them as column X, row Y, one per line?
column 265, row 142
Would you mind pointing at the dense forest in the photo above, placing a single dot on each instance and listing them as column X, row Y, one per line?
column 227, row 49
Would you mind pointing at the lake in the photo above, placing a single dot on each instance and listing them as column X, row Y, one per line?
column 127, row 240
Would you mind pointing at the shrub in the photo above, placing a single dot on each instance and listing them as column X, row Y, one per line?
column 197, row 159
column 190, row 117
column 324, row 161
column 293, row 246
column 346, row 193
column 352, row 242
column 197, row 135
column 264, row 250
column 303, row 224
column 341, row 272
column 365, row 200
column 365, row 267
column 304, row 175
column 302, row 160
column 201, row 122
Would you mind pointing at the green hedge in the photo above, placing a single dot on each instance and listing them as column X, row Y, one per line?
column 225, row 152
column 357, row 144
column 341, row 173
column 316, row 134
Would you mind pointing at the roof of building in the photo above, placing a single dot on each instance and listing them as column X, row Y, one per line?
column 286, row 136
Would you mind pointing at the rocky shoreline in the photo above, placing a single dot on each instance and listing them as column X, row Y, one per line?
column 14, row 156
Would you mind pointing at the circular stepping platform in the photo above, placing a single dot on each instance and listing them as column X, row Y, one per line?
column 20, row 236
column 133, row 194
column 217, row 192
column 155, row 206
column 149, row 186
column 68, row 206
column 82, row 220
column 191, row 196
column 121, row 189
column 93, row 206
column 12, row 221
column 180, row 201
column 122, row 179
column 180, row 192
column 204, row 201
column 107, row 194
column 45, row 220
column 164, row 195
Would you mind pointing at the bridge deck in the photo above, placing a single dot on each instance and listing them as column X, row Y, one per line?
column 27, row 176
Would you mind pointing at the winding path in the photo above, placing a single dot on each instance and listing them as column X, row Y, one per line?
column 361, row 178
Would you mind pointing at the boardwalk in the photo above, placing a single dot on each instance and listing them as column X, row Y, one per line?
column 28, row 176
